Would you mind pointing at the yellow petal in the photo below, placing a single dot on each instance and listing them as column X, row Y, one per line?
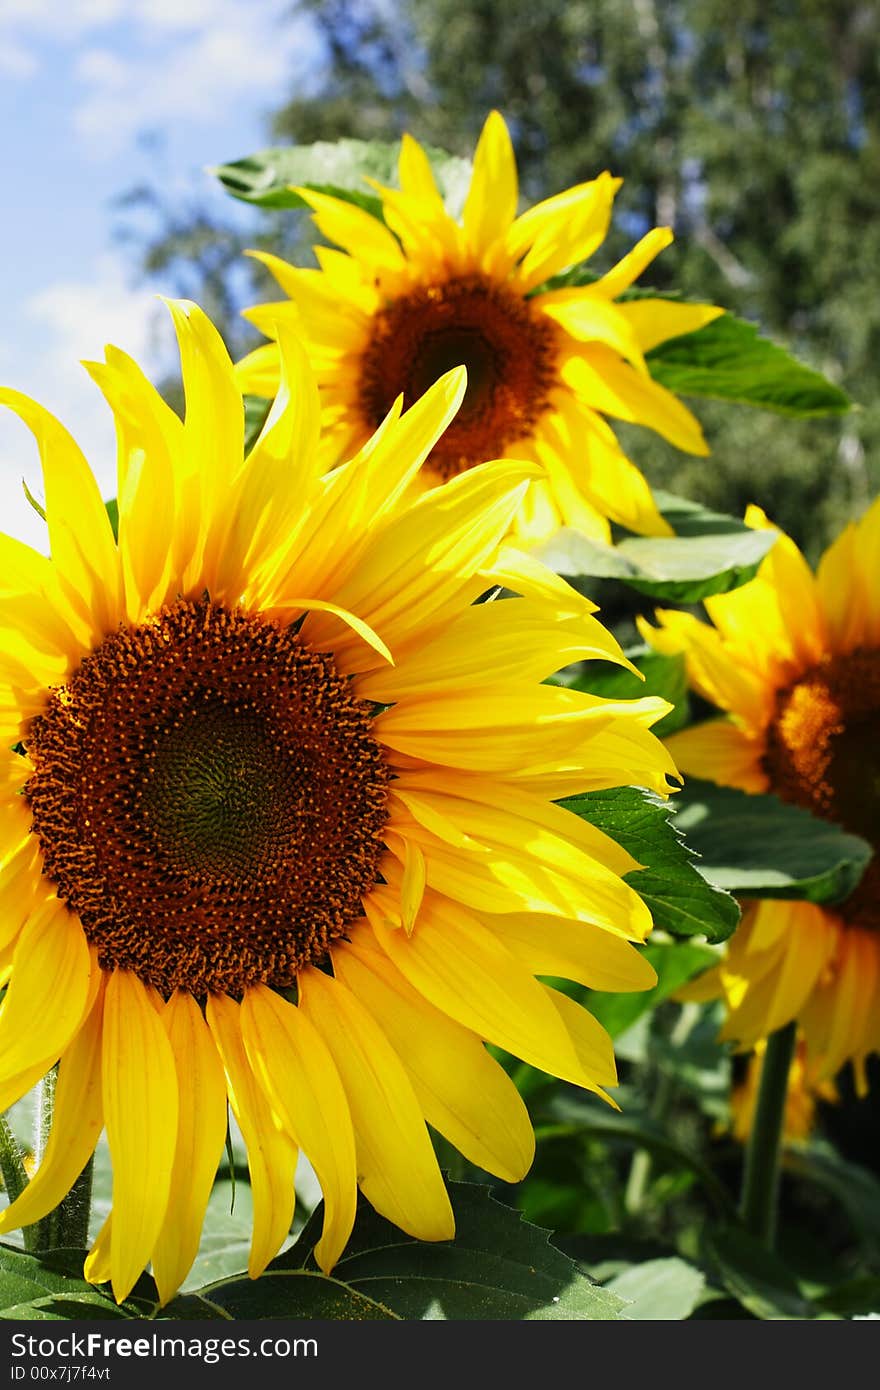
column 713, row 671
column 526, row 726
column 490, row 206
column 463, row 1092
column 298, row 1075
column 355, row 230
column 415, row 173
column 32, row 603
column 719, row 751
column 594, row 1048
column 149, row 442
column 562, row 230
column 574, row 950
column 592, row 320
column 80, row 533
column 425, row 557
column 140, row 1110
column 46, row 998
column 397, row 1168
column 214, row 444
column 201, row 1135
column 515, row 639
column 606, row 383
column 77, row 1121
column 587, row 448
column 98, row 1264
column 627, row 270
column 655, row 320
column 463, row 970
column 257, row 374
column 413, row 885
column 271, row 1153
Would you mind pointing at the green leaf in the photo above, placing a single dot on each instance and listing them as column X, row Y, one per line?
column 758, row 1279
column 758, row 846
column 664, row 675
column 112, row 507
column 56, row 1308
column 336, row 167
column 498, row 1266
column 669, row 882
column 665, row 1290
column 710, row 553
column 728, row 360
column 50, row 1285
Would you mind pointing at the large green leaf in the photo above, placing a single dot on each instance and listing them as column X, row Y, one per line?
column 669, row 882
column 758, row 846
column 728, row 360
column 710, row 553
column 50, row 1285
column 498, row 1266
column 338, row 167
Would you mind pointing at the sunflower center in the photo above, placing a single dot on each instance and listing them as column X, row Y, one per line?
column 209, row 799
column 823, row 753
column 508, row 350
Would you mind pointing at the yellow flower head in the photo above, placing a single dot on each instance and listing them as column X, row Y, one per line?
column 279, row 830
column 404, row 301
column 793, row 658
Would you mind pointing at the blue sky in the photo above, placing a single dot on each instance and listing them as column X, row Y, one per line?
column 80, row 82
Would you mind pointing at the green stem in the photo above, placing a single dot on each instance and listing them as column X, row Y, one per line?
column 760, row 1188
column 67, row 1226
column 12, row 1167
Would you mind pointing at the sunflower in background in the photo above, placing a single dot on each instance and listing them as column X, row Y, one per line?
column 277, row 816
column 793, row 658
column 404, row 301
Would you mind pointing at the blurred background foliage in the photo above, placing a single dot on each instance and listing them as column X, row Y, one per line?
column 753, row 130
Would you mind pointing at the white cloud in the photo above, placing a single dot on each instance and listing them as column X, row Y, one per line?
column 189, row 79
column 16, row 60
column 142, row 63
column 74, row 320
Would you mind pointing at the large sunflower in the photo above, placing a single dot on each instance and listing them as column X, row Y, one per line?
column 794, row 659
column 406, row 300
column 278, row 826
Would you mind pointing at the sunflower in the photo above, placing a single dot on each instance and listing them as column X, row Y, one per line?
column 793, row 658
column 406, row 299
column 278, row 816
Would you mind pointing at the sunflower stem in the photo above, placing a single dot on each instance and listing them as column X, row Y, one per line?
column 15, row 1178
column 67, row 1225
column 760, row 1189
